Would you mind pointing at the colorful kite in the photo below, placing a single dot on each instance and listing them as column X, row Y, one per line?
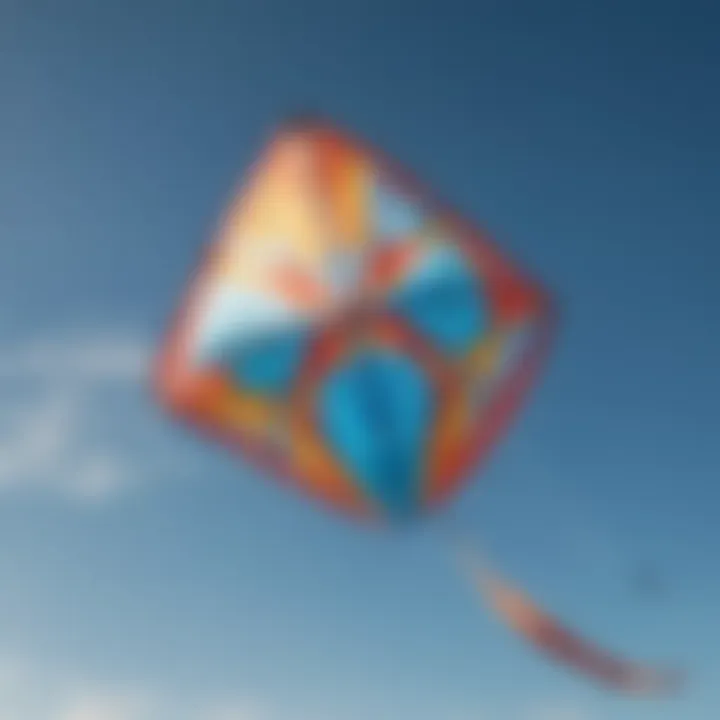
column 352, row 335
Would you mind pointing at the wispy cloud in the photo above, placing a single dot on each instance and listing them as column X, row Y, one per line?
column 71, row 410
column 34, row 692
column 94, row 704
column 79, row 356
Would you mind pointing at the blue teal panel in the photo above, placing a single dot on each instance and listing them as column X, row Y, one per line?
column 445, row 303
column 376, row 413
column 268, row 365
column 395, row 215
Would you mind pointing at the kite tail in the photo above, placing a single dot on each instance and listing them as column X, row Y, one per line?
column 556, row 641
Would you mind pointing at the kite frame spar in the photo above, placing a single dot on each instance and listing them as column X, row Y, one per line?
column 175, row 390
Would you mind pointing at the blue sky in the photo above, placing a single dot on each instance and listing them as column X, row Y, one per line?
column 145, row 574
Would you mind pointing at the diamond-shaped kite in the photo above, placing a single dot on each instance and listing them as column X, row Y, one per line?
column 350, row 332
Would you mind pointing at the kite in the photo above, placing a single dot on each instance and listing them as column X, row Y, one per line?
column 353, row 336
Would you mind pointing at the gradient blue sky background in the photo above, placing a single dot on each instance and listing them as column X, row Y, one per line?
column 142, row 571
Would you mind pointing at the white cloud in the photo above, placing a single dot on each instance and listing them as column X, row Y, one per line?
column 78, row 356
column 34, row 692
column 71, row 415
column 99, row 705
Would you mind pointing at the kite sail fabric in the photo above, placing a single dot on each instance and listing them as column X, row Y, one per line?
column 350, row 333
column 362, row 342
column 556, row 641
